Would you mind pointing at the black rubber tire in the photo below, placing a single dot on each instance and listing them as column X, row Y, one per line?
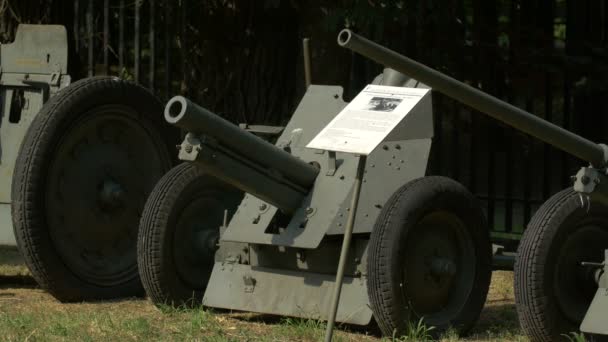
column 402, row 212
column 535, row 276
column 36, row 154
column 157, row 233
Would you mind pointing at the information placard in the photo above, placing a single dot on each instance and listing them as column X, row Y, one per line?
column 368, row 119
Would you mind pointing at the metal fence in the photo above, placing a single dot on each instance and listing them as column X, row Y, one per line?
column 109, row 37
column 546, row 56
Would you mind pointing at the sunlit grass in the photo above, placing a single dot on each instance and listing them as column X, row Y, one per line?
column 31, row 314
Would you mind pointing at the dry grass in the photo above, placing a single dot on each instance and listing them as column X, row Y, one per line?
column 27, row 313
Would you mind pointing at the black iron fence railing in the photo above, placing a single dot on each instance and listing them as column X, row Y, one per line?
column 242, row 59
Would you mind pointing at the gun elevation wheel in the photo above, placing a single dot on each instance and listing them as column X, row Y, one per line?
column 179, row 233
column 430, row 258
column 85, row 167
column 552, row 289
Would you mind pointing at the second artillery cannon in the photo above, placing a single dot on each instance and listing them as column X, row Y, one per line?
column 561, row 272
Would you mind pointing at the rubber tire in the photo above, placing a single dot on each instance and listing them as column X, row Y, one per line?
column 155, row 242
column 538, row 312
column 35, row 156
column 402, row 211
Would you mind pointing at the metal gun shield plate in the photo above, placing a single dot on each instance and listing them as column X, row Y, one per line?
column 32, row 68
column 403, row 156
column 37, row 49
column 85, row 167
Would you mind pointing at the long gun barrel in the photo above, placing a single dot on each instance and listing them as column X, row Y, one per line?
column 243, row 159
column 552, row 134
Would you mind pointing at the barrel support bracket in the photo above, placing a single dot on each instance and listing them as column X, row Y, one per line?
column 189, row 148
column 590, row 183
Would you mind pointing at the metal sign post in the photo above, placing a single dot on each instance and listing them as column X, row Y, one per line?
column 348, row 233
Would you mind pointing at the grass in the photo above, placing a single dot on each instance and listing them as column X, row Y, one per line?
column 11, row 264
column 29, row 314
column 575, row 337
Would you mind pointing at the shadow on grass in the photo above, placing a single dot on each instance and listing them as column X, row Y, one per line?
column 497, row 318
column 19, row 281
column 368, row 330
column 250, row 317
column 9, row 255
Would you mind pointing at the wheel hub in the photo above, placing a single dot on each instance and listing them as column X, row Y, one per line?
column 206, row 240
column 196, row 237
column 438, row 267
column 443, row 267
column 111, row 195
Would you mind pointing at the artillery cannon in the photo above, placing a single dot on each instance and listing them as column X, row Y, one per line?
column 77, row 161
column 561, row 272
column 34, row 68
column 420, row 246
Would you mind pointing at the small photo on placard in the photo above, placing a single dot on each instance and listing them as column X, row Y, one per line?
column 382, row 104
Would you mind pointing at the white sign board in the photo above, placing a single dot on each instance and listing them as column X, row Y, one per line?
column 367, row 119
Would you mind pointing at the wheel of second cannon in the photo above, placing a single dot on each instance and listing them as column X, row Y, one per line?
column 429, row 258
column 552, row 289
column 85, row 167
column 179, row 233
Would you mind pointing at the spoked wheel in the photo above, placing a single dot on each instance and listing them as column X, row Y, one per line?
column 85, row 168
column 552, row 289
column 179, row 233
column 430, row 258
